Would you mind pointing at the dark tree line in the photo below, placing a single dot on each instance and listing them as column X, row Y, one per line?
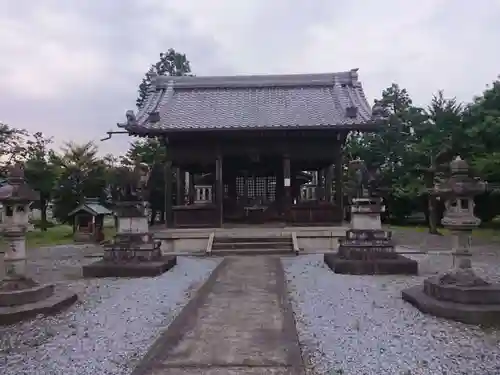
column 412, row 152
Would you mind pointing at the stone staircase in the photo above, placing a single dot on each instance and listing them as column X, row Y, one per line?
column 269, row 245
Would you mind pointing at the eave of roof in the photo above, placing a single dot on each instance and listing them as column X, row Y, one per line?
column 92, row 209
column 286, row 102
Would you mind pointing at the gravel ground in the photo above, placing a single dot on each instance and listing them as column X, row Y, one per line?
column 108, row 331
column 359, row 325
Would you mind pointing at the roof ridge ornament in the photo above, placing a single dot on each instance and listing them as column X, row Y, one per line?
column 153, row 81
column 131, row 119
column 354, row 76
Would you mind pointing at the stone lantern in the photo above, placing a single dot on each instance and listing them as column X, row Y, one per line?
column 367, row 248
column 458, row 294
column 20, row 296
column 458, row 193
column 133, row 252
column 16, row 197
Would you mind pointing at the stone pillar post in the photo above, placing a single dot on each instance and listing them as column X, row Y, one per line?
column 15, row 256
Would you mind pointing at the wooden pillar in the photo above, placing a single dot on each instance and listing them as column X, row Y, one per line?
column 169, row 217
column 339, row 194
column 266, row 187
column 245, row 187
column 232, row 190
column 320, row 189
column 191, row 191
column 279, row 189
column 287, row 184
column 219, row 189
column 328, row 183
column 179, row 186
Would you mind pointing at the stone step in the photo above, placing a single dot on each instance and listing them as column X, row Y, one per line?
column 254, row 245
column 234, row 239
column 252, row 251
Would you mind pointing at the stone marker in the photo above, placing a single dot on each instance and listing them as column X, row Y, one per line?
column 20, row 296
column 133, row 252
column 367, row 249
column 459, row 294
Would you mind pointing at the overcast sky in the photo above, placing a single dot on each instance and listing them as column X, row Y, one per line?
column 70, row 68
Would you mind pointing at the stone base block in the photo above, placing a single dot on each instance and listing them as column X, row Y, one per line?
column 486, row 294
column 24, row 296
column 397, row 266
column 465, row 313
column 104, row 268
column 57, row 301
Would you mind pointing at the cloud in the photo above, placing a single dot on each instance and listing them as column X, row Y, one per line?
column 71, row 69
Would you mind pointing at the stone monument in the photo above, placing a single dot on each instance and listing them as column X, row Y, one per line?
column 458, row 294
column 133, row 251
column 20, row 296
column 367, row 249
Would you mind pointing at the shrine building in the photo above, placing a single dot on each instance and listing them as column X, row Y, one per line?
column 254, row 149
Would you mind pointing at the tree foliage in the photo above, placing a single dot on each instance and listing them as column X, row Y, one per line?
column 40, row 172
column 415, row 148
column 411, row 152
column 81, row 174
column 171, row 63
column 153, row 153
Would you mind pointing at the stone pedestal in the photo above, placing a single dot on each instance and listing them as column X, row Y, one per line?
column 459, row 295
column 133, row 252
column 367, row 249
column 24, row 298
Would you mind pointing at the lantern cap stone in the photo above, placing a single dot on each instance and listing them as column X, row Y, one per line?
column 459, row 165
column 16, row 190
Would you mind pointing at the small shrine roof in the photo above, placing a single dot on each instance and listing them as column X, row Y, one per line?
column 92, row 207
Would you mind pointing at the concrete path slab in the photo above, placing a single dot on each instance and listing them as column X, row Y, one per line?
column 240, row 322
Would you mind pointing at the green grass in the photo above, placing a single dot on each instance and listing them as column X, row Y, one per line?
column 58, row 235
column 488, row 233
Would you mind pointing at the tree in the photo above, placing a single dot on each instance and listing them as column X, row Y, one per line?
column 12, row 145
column 390, row 149
column 437, row 140
column 482, row 125
column 40, row 172
column 81, row 174
column 171, row 63
column 153, row 153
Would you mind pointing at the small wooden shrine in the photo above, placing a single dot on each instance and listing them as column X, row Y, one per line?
column 88, row 220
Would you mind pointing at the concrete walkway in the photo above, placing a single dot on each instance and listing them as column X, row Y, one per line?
column 240, row 322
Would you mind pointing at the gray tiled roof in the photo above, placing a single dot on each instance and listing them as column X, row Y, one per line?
column 93, row 209
column 268, row 101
